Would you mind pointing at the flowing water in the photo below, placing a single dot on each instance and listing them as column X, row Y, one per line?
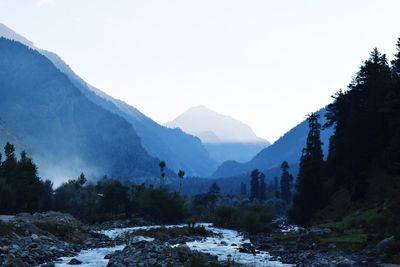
column 225, row 245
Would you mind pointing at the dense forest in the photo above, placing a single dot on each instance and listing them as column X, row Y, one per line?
column 361, row 174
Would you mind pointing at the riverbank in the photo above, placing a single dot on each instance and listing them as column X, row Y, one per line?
column 42, row 238
column 57, row 239
column 318, row 247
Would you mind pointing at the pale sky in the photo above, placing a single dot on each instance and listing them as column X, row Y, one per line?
column 267, row 63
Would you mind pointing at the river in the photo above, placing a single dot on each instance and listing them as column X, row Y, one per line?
column 225, row 245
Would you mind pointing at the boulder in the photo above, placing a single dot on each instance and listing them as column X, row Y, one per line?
column 74, row 262
column 385, row 243
column 319, row 231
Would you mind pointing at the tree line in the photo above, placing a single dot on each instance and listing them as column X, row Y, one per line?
column 280, row 187
column 22, row 190
column 363, row 161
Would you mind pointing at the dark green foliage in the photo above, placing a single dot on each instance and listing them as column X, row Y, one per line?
column 263, row 188
column 286, row 183
column 362, row 125
column 248, row 216
column 21, row 190
column 109, row 199
column 254, row 185
column 160, row 206
column 181, row 174
column 162, row 174
column 202, row 206
column 363, row 163
column 258, row 187
column 308, row 198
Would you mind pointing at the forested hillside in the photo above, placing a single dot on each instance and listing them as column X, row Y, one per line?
column 361, row 174
column 63, row 128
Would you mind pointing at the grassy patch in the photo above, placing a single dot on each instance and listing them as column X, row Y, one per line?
column 5, row 229
column 354, row 240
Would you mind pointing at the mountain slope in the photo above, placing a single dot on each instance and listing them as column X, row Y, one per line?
column 41, row 105
column 7, row 135
column 178, row 149
column 288, row 148
column 224, row 137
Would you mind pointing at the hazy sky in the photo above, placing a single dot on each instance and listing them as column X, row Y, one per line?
column 267, row 63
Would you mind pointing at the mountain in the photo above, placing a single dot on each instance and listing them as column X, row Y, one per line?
column 288, row 148
column 224, row 137
column 41, row 105
column 178, row 149
column 7, row 135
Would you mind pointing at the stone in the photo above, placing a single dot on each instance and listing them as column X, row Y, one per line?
column 108, row 256
column 74, row 262
column 35, row 237
column 320, row 231
column 385, row 243
column 332, row 246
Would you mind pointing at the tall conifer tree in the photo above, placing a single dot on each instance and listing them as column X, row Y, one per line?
column 307, row 199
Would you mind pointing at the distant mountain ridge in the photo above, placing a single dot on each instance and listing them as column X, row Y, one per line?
column 64, row 129
column 287, row 148
column 178, row 149
column 224, row 137
column 212, row 127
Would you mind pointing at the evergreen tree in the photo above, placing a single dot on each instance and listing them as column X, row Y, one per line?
column 213, row 195
column 286, row 183
column 359, row 117
column 254, row 185
column 243, row 189
column 181, row 174
column 263, row 188
column 82, row 179
column 162, row 174
column 308, row 198
column 10, row 163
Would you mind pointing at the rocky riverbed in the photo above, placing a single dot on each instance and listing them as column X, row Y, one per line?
column 42, row 238
column 308, row 247
column 56, row 239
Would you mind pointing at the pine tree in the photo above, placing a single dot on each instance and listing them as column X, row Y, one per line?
column 254, row 185
column 263, row 188
column 243, row 189
column 307, row 199
column 286, row 183
column 358, row 117
column 181, row 174
column 162, row 173
column 82, row 179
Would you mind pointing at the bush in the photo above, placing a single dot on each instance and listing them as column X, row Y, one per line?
column 160, row 206
column 251, row 217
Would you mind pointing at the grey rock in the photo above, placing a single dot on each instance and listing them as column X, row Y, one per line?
column 74, row 262
column 320, row 231
column 35, row 237
column 385, row 243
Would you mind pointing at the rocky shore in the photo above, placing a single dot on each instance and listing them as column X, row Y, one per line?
column 42, row 238
column 308, row 247
column 158, row 253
